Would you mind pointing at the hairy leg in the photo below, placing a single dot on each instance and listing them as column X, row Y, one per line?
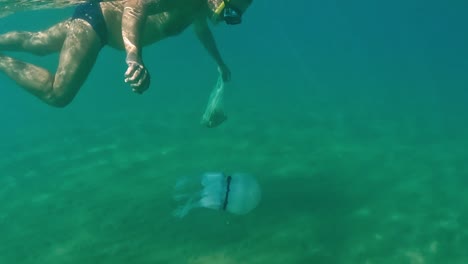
column 39, row 43
column 77, row 57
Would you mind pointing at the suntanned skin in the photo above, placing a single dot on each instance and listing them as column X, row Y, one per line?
column 131, row 25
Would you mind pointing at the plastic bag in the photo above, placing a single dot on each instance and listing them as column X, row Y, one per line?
column 214, row 113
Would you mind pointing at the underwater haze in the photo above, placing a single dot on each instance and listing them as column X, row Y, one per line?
column 352, row 116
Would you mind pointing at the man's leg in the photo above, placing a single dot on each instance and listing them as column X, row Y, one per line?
column 77, row 57
column 39, row 43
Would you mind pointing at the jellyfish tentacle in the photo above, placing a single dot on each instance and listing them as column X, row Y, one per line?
column 183, row 210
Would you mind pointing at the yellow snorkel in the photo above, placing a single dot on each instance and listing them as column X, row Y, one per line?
column 225, row 11
column 220, row 8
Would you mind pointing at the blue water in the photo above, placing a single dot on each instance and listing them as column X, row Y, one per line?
column 351, row 115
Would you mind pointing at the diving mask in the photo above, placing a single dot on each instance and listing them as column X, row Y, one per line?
column 230, row 14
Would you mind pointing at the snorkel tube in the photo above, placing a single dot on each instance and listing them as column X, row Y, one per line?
column 216, row 7
column 223, row 11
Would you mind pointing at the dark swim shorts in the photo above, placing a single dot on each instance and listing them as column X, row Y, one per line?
column 92, row 13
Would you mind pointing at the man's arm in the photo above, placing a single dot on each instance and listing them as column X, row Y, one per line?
column 205, row 36
column 133, row 20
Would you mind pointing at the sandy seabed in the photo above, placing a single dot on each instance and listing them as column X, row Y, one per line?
column 333, row 192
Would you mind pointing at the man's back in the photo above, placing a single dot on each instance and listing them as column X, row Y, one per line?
column 158, row 26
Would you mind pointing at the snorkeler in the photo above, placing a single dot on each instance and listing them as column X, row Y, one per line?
column 125, row 25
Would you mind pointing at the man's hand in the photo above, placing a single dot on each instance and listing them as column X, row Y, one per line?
column 225, row 72
column 137, row 76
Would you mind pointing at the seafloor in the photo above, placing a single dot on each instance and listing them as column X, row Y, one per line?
column 335, row 190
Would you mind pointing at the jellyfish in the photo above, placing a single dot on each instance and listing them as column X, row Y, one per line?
column 237, row 193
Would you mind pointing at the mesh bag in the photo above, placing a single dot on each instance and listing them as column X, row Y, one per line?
column 214, row 113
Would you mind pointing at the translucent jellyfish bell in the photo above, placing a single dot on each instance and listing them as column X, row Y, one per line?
column 237, row 193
